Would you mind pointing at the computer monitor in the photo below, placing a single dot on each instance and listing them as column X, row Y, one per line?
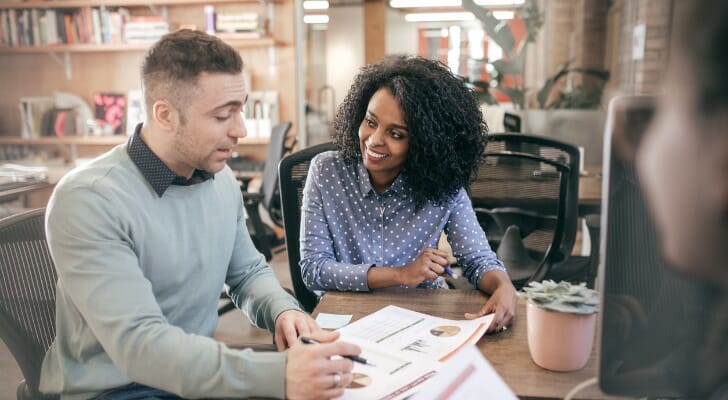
column 652, row 320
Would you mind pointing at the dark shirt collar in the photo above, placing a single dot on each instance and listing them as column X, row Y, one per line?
column 159, row 176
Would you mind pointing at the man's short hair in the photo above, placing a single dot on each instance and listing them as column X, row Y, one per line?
column 172, row 66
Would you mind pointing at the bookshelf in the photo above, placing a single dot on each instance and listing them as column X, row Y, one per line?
column 96, row 140
column 72, row 147
column 114, row 67
column 115, row 3
column 88, row 47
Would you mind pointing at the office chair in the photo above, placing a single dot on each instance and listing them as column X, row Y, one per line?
column 263, row 236
column 292, row 173
column 27, row 296
column 512, row 122
column 526, row 200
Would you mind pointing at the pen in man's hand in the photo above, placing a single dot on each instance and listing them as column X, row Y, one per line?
column 450, row 272
column 360, row 360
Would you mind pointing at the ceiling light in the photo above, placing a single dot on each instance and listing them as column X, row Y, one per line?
column 438, row 17
column 316, row 19
column 499, row 2
column 503, row 14
column 315, row 5
column 424, row 3
column 450, row 3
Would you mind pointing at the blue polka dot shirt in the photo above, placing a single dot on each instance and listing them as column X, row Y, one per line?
column 347, row 228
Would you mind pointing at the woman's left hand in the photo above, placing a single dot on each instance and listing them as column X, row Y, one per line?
column 502, row 303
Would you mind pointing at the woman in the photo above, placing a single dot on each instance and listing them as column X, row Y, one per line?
column 410, row 137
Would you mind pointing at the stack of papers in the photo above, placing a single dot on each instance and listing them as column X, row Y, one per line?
column 406, row 348
column 20, row 173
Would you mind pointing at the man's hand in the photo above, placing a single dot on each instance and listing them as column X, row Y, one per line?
column 429, row 265
column 292, row 324
column 310, row 371
column 502, row 300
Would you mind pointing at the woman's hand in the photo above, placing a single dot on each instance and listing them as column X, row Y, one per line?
column 428, row 266
column 502, row 300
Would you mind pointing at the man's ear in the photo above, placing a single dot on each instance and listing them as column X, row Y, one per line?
column 165, row 115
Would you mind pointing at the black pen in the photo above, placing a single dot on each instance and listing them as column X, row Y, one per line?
column 360, row 360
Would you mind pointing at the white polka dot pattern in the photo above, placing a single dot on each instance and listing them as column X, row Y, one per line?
column 347, row 227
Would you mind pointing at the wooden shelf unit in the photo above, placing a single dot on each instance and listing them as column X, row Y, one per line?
column 96, row 140
column 87, row 69
column 116, row 47
column 114, row 3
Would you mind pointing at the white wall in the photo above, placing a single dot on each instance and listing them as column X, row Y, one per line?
column 344, row 48
column 400, row 35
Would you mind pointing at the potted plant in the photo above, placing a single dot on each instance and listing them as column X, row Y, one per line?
column 561, row 322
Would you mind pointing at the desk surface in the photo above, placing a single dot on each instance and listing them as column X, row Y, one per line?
column 506, row 351
column 12, row 190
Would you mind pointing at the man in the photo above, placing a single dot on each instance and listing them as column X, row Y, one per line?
column 144, row 237
column 683, row 165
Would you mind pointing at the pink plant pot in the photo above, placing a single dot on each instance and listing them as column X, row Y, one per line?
column 559, row 341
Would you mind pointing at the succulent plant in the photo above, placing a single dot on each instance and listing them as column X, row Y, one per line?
column 562, row 297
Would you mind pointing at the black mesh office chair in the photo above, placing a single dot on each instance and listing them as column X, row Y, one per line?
column 512, row 122
column 27, row 296
column 292, row 174
column 264, row 237
column 526, row 200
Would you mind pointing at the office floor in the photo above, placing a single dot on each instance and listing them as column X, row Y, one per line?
column 232, row 329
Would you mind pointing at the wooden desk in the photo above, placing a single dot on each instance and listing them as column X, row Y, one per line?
column 506, row 351
column 12, row 190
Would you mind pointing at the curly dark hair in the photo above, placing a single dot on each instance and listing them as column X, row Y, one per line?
column 447, row 131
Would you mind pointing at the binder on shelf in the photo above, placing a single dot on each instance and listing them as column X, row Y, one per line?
column 32, row 110
column 261, row 113
column 135, row 112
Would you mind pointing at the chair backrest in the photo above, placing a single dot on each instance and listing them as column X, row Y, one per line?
column 269, row 188
column 27, row 293
column 292, row 172
column 512, row 122
column 536, row 189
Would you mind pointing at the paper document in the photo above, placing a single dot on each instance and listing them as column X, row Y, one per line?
column 332, row 321
column 466, row 376
column 407, row 349
column 436, row 338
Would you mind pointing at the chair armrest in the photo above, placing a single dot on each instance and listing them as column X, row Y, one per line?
column 244, row 182
column 252, row 198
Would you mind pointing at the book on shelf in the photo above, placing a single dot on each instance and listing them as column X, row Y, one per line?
column 145, row 29
column 109, row 110
column 237, row 22
column 135, row 110
column 32, row 110
column 79, row 25
column 239, row 35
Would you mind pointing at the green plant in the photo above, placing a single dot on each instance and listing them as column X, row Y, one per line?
column 514, row 55
column 562, row 297
column 586, row 96
column 482, row 92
